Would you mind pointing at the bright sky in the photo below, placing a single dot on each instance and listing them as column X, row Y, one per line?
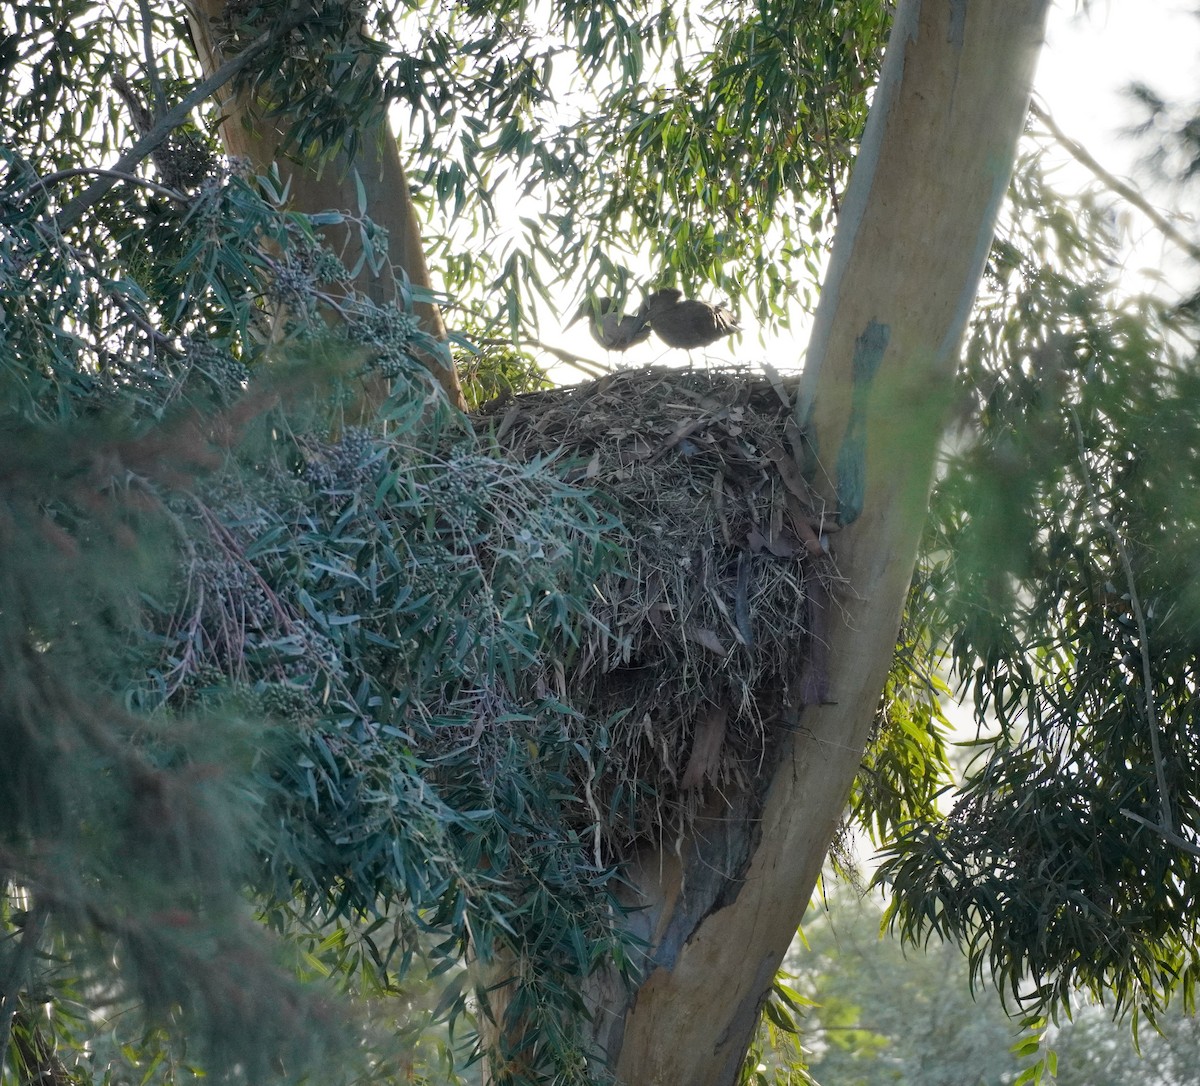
column 1090, row 57
column 1088, row 61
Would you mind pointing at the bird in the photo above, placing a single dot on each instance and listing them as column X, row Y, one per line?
column 610, row 329
column 686, row 323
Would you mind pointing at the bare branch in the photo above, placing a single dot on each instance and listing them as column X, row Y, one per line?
column 167, row 123
column 584, row 365
column 1126, row 191
column 116, row 175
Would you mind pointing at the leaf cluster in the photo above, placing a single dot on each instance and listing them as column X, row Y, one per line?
column 712, row 144
column 1058, row 565
column 370, row 591
column 126, row 838
column 392, row 606
column 905, row 767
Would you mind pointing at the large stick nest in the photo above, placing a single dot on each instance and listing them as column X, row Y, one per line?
column 704, row 649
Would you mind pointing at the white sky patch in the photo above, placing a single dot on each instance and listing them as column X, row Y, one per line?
column 1090, row 58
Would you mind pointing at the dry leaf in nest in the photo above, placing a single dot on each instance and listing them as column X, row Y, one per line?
column 701, row 649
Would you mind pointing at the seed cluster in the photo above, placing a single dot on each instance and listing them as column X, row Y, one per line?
column 229, row 589
column 343, row 466
column 312, row 651
column 286, row 701
column 459, row 494
column 389, row 330
column 227, row 375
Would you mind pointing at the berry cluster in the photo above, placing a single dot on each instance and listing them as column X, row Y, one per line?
column 183, row 161
column 389, row 330
column 227, row 375
column 287, row 701
column 460, row 492
column 310, row 651
column 294, row 285
column 230, row 590
column 344, row 466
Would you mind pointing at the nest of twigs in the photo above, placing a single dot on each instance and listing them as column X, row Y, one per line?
column 705, row 648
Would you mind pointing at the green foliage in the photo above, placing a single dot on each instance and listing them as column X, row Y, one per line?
column 259, row 655
column 312, row 666
column 776, row 1056
column 376, row 600
column 712, row 143
column 400, row 608
column 126, row 838
column 1059, row 560
column 877, row 1013
column 496, row 372
column 905, row 767
column 714, row 147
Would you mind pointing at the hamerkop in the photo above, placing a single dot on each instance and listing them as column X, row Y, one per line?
column 610, row 329
column 686, row 323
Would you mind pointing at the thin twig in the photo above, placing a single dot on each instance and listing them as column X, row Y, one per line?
column 1121, row 188
column 73, row 210
column 583, row 365
column 79, row 171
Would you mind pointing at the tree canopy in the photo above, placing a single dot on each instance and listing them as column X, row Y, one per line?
column 286, row 689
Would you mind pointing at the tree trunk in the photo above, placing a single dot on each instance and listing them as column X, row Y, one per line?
column 914, row 233
column 246, row 134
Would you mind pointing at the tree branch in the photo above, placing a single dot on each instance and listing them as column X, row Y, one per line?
column 43, row 183
column 73, row 210
column 1168, row 835
column 1081, row 155
column 584, row 365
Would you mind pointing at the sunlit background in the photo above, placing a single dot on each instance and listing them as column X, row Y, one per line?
column 1090, row 60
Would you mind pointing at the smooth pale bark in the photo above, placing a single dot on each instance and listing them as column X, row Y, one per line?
column 376, row 164
column 914, row 233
